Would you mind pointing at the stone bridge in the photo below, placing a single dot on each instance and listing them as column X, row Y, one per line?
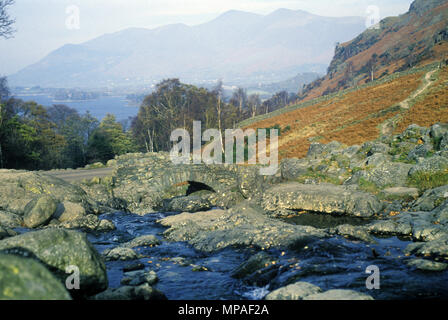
column 152, row 177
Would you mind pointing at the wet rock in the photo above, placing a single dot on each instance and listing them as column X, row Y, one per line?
column 245, row 225
column 390, row 227
column 339, row 295
column 354, row 233
column 323, row 198
column 133, row 267
column 142, row 241
column 38, row 212
column 105, row 226
column 255, row 263
column 137, row 278
column 143, row 292
column 58, row 249
column 120, row 253
column 10, row 220
column 434, row 249
column 186, row 204
column 296, row 291
column 197, row 268
column 27, row 279
column 427, row 265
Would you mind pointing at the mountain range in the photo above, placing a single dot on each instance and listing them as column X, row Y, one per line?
column 238, row 47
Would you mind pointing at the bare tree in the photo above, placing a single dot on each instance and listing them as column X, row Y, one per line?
column 254, row 102
column 219, row 92
column 6, row 22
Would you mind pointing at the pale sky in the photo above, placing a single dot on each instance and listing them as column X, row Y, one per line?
column 42, row 24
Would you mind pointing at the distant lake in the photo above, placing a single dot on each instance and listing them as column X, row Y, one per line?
column 116, row 105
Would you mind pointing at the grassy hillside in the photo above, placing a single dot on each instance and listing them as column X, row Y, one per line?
column 361, row 114
column 377, row 84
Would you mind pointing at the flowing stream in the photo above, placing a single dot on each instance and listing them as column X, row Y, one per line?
column 335, row 263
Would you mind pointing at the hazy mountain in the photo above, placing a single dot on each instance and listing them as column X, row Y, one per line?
column 237, row 46
column 292, row 85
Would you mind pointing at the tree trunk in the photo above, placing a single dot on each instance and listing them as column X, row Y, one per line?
column 1, row 157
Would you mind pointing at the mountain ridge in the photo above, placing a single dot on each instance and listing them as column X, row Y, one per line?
column 255, row 48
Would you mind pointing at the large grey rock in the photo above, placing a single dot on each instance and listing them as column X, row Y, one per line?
column 323, row 198
column 339, row 295
column 431, row 199
column 295, row 291
column 387, row 174
column 69, row 211
column 429, row 165
column 38, row 212
column 58, row 249
column 120, row 253
column 420, row 151
column 27, row 279
column 292, row 169
column 245, row 225
column 19, row 188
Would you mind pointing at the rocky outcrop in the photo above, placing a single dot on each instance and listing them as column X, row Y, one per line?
column 58, row 249
column 324, row 198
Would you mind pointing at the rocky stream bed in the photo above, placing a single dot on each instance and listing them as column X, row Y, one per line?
column 153, row 230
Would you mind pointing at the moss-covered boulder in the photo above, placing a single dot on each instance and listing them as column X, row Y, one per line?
column 58, row 249
column 27, row 279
